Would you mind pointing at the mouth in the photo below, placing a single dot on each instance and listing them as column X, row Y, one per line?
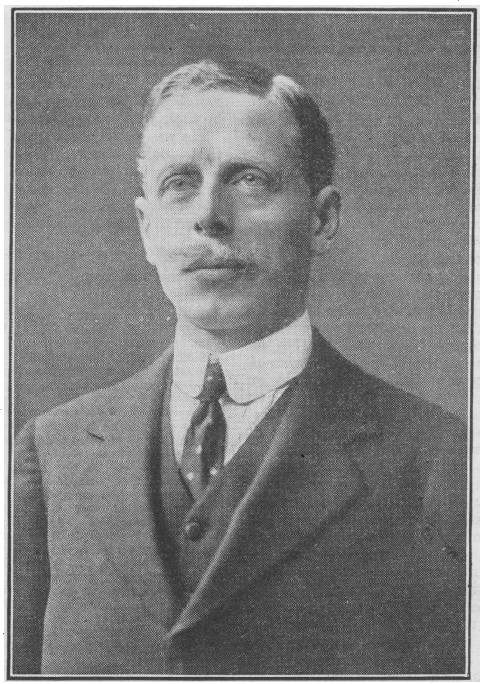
column 215, row 265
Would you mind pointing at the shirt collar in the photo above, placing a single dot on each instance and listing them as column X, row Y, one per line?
column 251, row 371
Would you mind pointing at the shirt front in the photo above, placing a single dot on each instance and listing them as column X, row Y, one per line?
column 256, row 376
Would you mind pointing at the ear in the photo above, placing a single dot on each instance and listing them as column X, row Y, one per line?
column 142, row 212
column 326, row 218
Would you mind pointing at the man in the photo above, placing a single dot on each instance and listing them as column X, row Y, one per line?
column 252, row 503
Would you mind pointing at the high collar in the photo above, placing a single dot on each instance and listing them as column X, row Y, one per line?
column 250, row 371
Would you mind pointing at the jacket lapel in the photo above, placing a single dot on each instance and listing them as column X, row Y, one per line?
column 126, row 433
column 306, row 478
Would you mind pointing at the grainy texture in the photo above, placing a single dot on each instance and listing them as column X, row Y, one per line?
column 393, row 293
column 344, row 556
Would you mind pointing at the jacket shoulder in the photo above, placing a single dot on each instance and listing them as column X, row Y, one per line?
column 396, row 407
column 102, row 401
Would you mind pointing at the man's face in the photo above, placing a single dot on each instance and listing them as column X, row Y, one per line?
column 227, row 215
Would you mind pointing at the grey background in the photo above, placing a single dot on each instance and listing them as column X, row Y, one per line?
column 393, row 293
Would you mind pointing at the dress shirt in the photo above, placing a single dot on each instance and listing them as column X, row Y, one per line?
column 256, row 375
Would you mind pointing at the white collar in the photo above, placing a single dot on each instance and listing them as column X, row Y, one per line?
column 251, row 371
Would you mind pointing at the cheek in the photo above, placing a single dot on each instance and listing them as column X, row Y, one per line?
column 276, row 237
column 166, row 233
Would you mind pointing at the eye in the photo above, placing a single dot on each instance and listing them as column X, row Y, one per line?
column 179, row 183
column 251, row 178
column 251, row 181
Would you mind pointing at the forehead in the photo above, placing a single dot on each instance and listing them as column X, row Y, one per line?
column 220, row 123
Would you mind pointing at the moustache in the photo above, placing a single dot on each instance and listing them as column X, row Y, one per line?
column 210, row 259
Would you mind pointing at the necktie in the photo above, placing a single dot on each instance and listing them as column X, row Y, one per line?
column 203, row 454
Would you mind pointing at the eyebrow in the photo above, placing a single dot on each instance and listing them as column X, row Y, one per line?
column 227, row 170
column 231, row 168
column 187, row 168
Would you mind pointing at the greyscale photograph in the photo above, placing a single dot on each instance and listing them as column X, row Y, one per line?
column 241, row 324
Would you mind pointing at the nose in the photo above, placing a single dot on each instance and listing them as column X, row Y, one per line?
column 213, row 218
column 211, row 227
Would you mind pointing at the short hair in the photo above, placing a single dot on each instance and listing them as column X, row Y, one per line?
column 315, row 143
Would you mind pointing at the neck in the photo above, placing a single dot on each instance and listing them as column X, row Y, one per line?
column 221, row 341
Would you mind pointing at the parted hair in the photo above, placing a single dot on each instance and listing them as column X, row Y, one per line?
column 315, row 143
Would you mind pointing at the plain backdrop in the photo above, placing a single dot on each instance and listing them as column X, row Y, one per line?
column 393, row 294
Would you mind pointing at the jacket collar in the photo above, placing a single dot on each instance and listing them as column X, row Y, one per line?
column 131, row 404
column 307, row 477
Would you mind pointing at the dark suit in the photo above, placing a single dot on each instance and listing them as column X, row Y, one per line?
column 345, row 556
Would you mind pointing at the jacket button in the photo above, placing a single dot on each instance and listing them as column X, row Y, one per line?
column 193, row 530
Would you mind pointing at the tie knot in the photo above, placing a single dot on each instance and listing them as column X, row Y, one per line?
column 214, row 382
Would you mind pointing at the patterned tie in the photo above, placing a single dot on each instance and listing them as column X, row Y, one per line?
column 203, row 454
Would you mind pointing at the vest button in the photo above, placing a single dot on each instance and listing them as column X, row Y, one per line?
column 193, row 530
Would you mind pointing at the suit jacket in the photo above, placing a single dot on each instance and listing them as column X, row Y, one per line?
column 345, row 556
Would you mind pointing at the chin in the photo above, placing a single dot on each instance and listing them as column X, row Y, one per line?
column 214, row 315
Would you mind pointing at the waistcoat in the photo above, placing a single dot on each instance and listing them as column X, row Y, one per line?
column 211, row 514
